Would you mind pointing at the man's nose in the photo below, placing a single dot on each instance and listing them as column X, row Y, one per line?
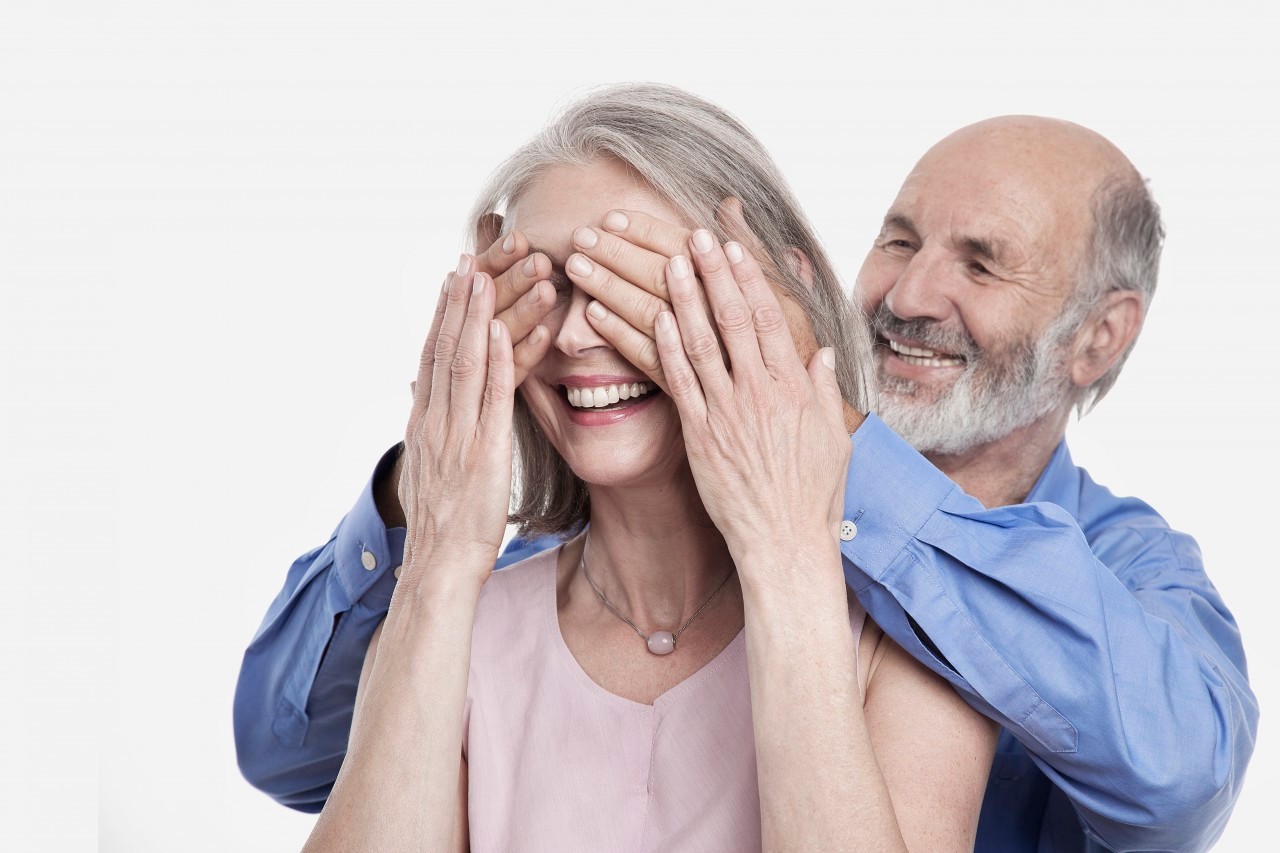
column 576, row 335
column 924, row 288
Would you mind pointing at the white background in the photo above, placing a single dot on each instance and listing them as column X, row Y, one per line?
column 221, row 225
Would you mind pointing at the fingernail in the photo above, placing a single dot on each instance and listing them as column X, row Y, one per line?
column 616, row 221
column 585, row 237
column 533, row 294
column 509, row 243
column 477, row 284
column 595, row 309
column 679, row 266
column 665, row 321
column 579, row 265
column 495, row 329
column 829, row 357
column 734, row 252
column 464, row 265
column 530, row 268
column 703, row 241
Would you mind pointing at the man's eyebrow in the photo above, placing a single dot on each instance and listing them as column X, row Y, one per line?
column 987, row 248
column 898, row 220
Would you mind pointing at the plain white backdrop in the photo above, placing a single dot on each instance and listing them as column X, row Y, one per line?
column 222, row 223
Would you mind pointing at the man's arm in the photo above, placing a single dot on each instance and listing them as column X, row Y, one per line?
column 1130, row 692
column 296, row 693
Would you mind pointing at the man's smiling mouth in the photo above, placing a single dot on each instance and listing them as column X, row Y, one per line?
column 924, row 357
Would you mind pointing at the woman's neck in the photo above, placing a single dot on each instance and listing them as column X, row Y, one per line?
column 654, row 552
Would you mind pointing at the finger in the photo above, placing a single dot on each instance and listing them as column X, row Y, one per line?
column 822, row 370
column 733, row 222
column 528, row 311
column 648, row 232
column 638, row 307
column 530, row 351
column 777, row 347
column 518, row 279
column 641, row 267
column 447, row 337
column 470, row 362
column 682, row 380
column 426, row 360
column 728, row 306
column 499, row 390
column 701, row 345
column 635, row 346
column 500, row 255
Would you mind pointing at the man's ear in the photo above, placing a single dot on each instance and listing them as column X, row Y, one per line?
column 488, row 229
column 1105, row 336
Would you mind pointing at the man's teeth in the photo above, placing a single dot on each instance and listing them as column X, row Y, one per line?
column 923, row 357
column 605, row 395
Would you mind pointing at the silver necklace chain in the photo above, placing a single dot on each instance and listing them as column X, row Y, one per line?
column 582, row 565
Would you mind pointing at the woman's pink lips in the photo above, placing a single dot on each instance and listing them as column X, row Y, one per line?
column 595, row 380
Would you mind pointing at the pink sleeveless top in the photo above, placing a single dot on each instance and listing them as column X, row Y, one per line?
column 556, row 762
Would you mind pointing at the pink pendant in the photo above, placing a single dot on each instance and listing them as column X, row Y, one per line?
column 662, row 643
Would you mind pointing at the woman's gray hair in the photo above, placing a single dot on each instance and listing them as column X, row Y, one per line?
column 694, row 155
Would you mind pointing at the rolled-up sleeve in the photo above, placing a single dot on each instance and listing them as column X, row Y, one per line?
column 1120, row 671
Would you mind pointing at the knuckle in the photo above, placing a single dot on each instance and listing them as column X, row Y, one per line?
column 465, row 365
column 647, row 358
column 733, row 318
column 446, row 342
column 768, row 318
column 702, row 348
column 681, row 383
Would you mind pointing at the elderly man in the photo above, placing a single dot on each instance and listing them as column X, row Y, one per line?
column 1006, row 287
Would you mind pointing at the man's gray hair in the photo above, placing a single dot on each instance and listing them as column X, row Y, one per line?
column 1123, row 254
column 694, row 155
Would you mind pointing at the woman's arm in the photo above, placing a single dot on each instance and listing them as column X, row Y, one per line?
column 398, row 788
column 904, row 770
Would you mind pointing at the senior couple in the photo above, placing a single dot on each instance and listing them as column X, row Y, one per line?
column 743, row 611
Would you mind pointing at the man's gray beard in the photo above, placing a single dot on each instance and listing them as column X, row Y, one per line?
column 998, row 393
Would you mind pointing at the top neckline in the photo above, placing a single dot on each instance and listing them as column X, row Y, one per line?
column 706, row 672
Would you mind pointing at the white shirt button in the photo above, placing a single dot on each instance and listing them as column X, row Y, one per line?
column 848, row 530
column 369, row 561
column 397, row 571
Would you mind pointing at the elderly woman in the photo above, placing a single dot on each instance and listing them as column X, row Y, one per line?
column 687, row 670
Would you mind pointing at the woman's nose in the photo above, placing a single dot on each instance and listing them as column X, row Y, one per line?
column 576, row 335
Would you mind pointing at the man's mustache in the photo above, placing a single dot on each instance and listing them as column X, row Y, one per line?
column 931, row 334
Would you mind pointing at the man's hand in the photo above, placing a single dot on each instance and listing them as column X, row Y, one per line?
column 627, row 260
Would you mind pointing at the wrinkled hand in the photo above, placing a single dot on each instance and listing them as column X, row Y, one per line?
column 522, row 295
column 455, row 483
column 625, row 272
column 765, row 436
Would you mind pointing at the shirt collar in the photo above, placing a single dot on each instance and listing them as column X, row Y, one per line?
column 1059, row 482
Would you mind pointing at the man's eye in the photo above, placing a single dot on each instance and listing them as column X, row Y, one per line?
column 978, row 269
column 900, row 245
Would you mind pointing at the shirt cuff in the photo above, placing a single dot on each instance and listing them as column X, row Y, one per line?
column 890, row 492
column 365, row 550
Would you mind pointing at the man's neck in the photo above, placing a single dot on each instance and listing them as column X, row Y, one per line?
column 1004, row 471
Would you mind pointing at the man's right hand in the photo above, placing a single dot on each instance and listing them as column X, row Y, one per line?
column 522, row 298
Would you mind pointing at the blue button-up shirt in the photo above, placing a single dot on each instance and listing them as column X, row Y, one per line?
column 1078, row 620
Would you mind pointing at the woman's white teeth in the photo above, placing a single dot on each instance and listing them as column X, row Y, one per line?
column 923, row 357
column 605, row 395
